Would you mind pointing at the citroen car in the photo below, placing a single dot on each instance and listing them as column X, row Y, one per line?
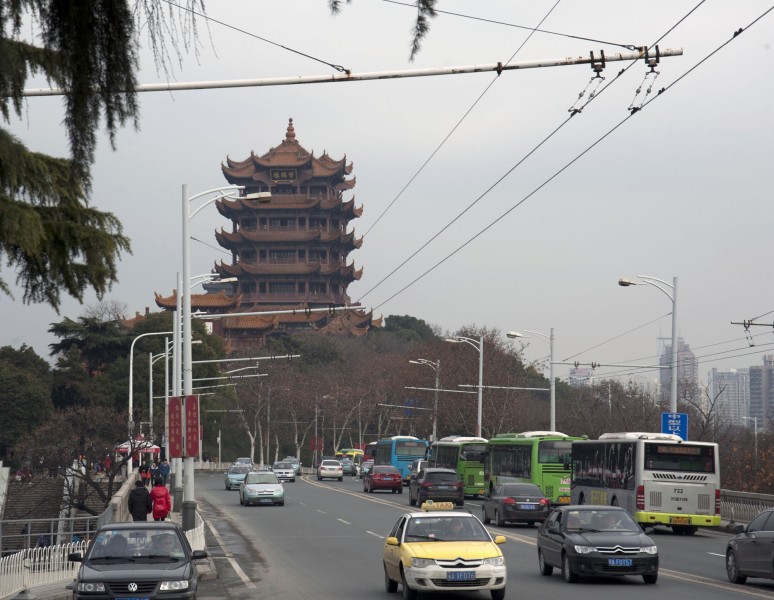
column 442, row 550
column 261, row 487
column 150, row 560
column 235, row 476
column 596, row 541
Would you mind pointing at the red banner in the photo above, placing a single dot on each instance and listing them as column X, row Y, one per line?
column 191, row 426
column 175, row 428
column 316, row 443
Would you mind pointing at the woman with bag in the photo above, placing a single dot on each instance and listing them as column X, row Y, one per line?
column 162, row 503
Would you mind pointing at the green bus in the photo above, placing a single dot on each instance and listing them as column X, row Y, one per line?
column 539, row 457
column 466, row 455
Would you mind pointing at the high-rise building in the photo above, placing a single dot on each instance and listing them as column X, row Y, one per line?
column 762, row 392
column 687, row 366
column 729, row 394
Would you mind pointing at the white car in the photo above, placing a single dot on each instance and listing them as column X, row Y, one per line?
column 331, row 469
column 284, row 471
column 261, row 488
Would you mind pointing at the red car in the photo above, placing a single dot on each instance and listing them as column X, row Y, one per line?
column 383, row 477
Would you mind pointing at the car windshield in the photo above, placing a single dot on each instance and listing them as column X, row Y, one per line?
column 447, row 477
column 446, row 529
column 331, row 463
column 136, row 543
column 282, row 465
column 600, row 520
column 261, row 478
column 386, row 470
column 240, row 470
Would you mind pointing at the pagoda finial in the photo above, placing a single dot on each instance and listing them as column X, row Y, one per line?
column 291, row 133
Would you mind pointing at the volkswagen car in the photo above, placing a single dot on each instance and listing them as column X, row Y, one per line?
column 284, row 470
column 596, row 541
column 261, row 487
column 330, row 469
column 443, row 550
column 522, row 502
column 150, row 560
column 750, row 553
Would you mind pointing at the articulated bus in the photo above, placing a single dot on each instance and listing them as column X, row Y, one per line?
column 466, row 455
column 659, row 478
column 399, row 451
column 539, row 457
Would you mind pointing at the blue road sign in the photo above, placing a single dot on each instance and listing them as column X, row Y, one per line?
column 675, row 423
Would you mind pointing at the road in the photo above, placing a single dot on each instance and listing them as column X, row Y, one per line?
column 326, row 543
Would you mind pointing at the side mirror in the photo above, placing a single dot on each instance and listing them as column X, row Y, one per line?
column 392, row 541
column 738, row 529
column 75, row 557
column 499, row 539
column 198, row 554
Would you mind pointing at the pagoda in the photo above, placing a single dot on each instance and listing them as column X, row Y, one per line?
column 289, row 243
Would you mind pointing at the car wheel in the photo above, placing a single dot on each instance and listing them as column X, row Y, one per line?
column 498, row 521
column 545, row 569
column 390, row 586
column 319, row 478
column 341, row 479
column 567, row 573
column 582, row 499
column 732, row 568
column 650, row 578
column 400, row 491
column 498, row 594
column 241, row 500
column 228, row 488
column 408, row 593
column 282, row 503
column 461, row 502
column 530, row 523
column 486, row 519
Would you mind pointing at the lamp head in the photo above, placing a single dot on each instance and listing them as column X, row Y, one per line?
column 514, row 334
column 623, row 282
column 454, row 340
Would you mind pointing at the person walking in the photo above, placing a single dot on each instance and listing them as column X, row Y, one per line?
column 144, row 471
column 162, row 503
column 139, row 502
column 164, row 470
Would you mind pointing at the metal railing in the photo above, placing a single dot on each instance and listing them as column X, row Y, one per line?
column 37, row 566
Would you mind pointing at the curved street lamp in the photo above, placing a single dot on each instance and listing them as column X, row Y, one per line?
column 435, row 366
column 662, row 285
column 478, row 345
column 552, row 383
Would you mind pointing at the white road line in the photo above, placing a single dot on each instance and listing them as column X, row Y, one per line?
column 320, row 511
column 381, row 537
column 345, row 522
column 242, row 575
column 716, row 554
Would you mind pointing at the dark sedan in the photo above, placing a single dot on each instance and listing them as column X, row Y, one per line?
column 383, row 477
column 137, row 560
column 522, row 502
column 436, row 484
column 750, row 553
column 595, row 541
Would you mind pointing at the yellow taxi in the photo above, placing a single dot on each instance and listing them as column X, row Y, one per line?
column 443, row 550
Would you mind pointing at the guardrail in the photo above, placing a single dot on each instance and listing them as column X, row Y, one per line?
column 37, row 566
column 740, row 507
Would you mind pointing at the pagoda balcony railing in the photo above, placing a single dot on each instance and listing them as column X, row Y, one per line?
column 341, row 228
column 295, row 298
column 294, row 261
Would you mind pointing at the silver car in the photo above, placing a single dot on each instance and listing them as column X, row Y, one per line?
column 235, row 476
column 284, row 471
column 261, row 487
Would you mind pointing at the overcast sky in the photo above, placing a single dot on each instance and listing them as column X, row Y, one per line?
column 681, row 189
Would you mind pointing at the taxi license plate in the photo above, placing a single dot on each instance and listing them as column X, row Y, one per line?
column 527, row 507
column 564, row 500
column 679, row 520
column 460, row 576
column 619, row 562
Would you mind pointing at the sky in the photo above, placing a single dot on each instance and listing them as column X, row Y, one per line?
column 485, row 204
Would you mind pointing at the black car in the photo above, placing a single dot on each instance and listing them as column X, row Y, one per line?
column 436, row 484
column 522, row 502
column 596, row 541
column 750, row 553
column 150, row 560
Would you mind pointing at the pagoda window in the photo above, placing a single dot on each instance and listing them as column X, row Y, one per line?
column 249, row 224
column 282, row 287
column 301, row 287
column 248, row 288
column 334, row 223
column 262, row 287
column 262, row 223
column 284, row 257
column 317, row 255
column 302, row 255
column 280, row 223
column 262, row 256
column 317, row 287
column 315, row 222
column 335, row 288
column 283, row 189
column 318, row 190
column 247, row 256
column 302, row 221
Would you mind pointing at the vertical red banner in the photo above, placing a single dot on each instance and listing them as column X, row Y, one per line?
column 191, row 426
column 175, row 428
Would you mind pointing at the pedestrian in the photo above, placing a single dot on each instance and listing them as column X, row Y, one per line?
column 154, row 469
column 108, row 463
column 139, row 502
column 164, row 470
column 144, row 470
column 162, row 503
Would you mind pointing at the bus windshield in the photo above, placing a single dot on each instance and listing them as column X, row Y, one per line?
column 555, row 452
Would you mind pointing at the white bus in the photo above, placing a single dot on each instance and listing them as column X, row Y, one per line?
column 659, row 478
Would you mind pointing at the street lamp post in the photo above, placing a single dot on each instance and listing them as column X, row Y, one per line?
column 552, row 384
column 673, row 297
column 478, row 345
column 435, row 366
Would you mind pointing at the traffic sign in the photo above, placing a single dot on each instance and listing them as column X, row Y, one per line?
column 675, row 423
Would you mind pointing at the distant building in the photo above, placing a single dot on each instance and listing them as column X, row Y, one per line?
column 288, row 250
column 687, row 366
column 762, row 392
column 730, row 390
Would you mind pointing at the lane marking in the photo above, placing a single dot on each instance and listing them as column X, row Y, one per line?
column 345, row 522
column 716, row 554
column 381, row 537
column 230, row 558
